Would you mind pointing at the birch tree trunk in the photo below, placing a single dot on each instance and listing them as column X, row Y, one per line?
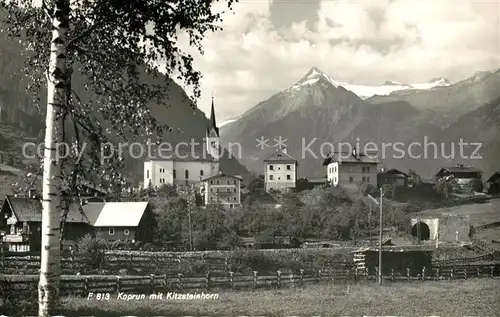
column 48, row 288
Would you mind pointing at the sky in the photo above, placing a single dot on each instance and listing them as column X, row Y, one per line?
column 267, row 46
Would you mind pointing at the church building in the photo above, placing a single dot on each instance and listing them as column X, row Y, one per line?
column 187, row 168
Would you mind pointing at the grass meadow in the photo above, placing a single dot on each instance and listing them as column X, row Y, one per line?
column 474, row 297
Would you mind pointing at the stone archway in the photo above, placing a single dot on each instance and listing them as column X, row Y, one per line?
column 421, row 231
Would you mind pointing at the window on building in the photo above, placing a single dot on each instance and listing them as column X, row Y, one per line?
column 362, row 169
column 228, row 182
column 111, row 231
column 234, row 198
column 368, row 179
column 217, row 182
column 350, row 179
column 174, row 174
column 147, row 174
column 201, row 172
column 234, row 190
column 288, row 167
column 211, row 198
column 186, row 174
column 126, row 232
column 368, row 169
column 229, row 189
column 288, row 177
column 230, row 205
column 212, row 181
column 271, row 167
column 217, row 190
column 211, row 190
column 363, row 179
column 271, row 177
column 279, row 168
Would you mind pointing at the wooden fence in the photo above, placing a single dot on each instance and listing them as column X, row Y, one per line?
column 155, row 284
column 132, row 263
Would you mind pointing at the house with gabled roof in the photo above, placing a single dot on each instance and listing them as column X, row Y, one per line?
column 465, row 176
column 392, row 177
column 121, row 221
column 222, row 189
column 351, row 169
column 21, row 219
column 280, row 171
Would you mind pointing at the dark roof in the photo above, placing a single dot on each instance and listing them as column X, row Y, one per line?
column 222, row 175
column 459, row 169
column 316, row 179
column 494, row 178
column 393, row 172
column 30, row 210
column 345, row 157
column 280, row 156
column 92, row 211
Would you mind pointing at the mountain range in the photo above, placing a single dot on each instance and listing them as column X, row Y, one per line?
column 324, row 111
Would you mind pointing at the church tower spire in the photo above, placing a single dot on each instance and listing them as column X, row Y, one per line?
column 212, row 127
column 213, row 142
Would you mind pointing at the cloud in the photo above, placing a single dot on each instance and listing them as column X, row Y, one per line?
column 366, row 42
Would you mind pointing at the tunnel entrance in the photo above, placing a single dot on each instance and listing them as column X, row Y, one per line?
column 421, row 231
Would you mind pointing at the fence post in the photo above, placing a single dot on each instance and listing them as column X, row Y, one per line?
column 465, row 271
column 478, row 272
column 408, row 274
column 392, row 275
column 302, row 276
column 179, row 262
column 491, row 271
column 165, row 280
column 437, row 273
column 254, row 279
column 319, row 276
column 118, row 284
column 226, row 263
column 278, row 274
column 207, row 281
column 152, row 283
column 451, row 272
column 423, row 273
column 231, row 279
column 86, row 285
column 131, row 263
column 72, row 258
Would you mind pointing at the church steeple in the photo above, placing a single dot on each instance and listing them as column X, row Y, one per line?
column 212, row 124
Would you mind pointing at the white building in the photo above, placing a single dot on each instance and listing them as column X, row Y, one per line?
column 280, row 171
column 186, row 168
column 351, row 169
column 222, row 189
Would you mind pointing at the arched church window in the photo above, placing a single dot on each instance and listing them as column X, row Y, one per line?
column 186, row 174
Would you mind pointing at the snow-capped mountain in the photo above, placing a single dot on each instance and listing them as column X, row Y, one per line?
column 223, row 123
column 367, row 91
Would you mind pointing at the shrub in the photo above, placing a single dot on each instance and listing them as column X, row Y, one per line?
column 91, row 247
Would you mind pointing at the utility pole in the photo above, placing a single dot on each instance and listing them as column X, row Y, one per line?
column 380, row 240
column 370, row 223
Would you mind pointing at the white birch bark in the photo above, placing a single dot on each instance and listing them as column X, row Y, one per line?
column 48, row 288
